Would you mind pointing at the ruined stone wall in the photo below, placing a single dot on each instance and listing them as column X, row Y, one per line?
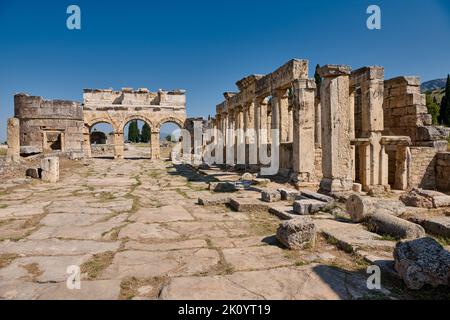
column 404, row 108
column 47, row 124
column 443, row 171
column 423, row 167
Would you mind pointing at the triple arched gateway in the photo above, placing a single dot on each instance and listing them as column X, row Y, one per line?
column 117, row 108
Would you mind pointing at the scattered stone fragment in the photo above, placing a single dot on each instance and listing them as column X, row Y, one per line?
column 308, row 206
column 360, row 207
column 270, row 195
column 289, row 194
column 422, row 261
column 222, row 187
column 425, row 199
column 357, row 187
column 248, row 205
column 297, row 233
column 383, row 222
column 260, row 181
column 212, row 201
column 316, row 196
column 248, row 176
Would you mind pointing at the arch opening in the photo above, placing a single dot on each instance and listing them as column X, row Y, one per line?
column 101, row 139
column 137, row 139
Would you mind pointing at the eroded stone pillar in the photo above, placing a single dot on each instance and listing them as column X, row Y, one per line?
column 283, row 114
column 118, row 145
column 50, row 169
column 13, row 137
column 155, row 152
column 303, row 136
column 87, row 142
column 318, row 121
column 336, row 148
column 401, row 172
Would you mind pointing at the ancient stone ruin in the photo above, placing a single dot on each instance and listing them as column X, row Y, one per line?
column 356, row 129
column 362, row 180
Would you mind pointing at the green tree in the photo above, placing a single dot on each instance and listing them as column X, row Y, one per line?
column 133, row 131
column 169, row 137
column 145, row 136
column 444, row 114
column 317, row 77
column 433, row 108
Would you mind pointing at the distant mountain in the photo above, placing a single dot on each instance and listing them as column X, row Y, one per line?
column 433, row 85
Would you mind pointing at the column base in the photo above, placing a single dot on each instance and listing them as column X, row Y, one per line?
column 336, row 185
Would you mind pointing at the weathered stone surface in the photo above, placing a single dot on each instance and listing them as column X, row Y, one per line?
column 56, row 247
column 308, row 206
column 425, row 199
column 142, row 231
column 256, row 258
column 148, row 264
column 162, row 214
column 436, row 225
column 297, row 233
column 248, row 205
column 289, row 195
column 90, row 290
column 50, row 169
column 270, row 195
column 422, row 261
column 383, row 222
column 317, row 282
column 222, row 187
column 360, row 207
column 27, row 150
column 212, row 200
column 13, row 133
column 316, row 196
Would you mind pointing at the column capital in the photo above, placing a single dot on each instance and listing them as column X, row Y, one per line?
column 333, row 71
column 304, row 84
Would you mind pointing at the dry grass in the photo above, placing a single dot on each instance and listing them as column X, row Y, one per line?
column 95, row 266
column 6, row 259
column 129, row 288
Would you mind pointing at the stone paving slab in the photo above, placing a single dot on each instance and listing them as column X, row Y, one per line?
column 254, row 258
column 143, row 231
column 56, row 247
column 165, row 246
column 41, row 269
column 150, row 264
column 312, row 282
column 162, row 214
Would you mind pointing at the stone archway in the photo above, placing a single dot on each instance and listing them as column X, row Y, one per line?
column 120, row 107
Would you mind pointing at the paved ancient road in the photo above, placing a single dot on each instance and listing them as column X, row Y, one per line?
column 135, row 230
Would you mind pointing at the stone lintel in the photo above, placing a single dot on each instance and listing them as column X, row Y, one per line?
column 331, row 70
column 360, row 142
column 248, row 81
column 403, row 81
column 396, row 140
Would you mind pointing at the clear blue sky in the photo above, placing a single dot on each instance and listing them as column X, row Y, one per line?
column 205, row 46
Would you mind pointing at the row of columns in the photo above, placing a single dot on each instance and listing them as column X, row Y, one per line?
column 296, row 124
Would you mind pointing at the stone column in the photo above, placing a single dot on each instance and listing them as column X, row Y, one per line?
column 118, row 145
column 336, row 148
column 401, row 172
column 291, row 124
column 318, row 121
column 154, row 145
column 87, row 142
column 352, row 130
column 275, row 119
column 364, row 164
column 50, row 169
column 303, row 118
column 264, row 136
column 283, row 114
column 13, row 137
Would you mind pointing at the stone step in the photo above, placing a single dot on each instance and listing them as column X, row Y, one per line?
column 316, row 196
column 248, row 205
column 308, row 206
